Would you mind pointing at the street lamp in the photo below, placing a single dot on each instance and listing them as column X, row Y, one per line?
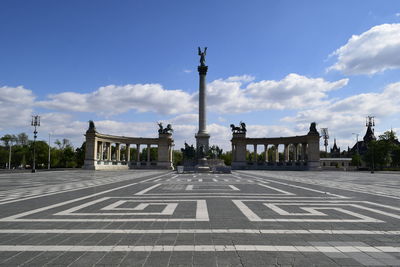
column 48, row 165
column 35, row 123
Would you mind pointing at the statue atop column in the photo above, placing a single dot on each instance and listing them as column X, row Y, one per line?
column 203, row 56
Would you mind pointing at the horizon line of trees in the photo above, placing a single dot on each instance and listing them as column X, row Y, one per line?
column 62, row 155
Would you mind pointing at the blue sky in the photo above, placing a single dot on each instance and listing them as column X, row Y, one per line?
column 129, row 64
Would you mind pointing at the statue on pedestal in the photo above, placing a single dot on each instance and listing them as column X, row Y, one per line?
column 239, row 129
column 166, row 130
column 203, row 56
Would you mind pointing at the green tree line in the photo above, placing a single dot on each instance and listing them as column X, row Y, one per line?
column 62, row 155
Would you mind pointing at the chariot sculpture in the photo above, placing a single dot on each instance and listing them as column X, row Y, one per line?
column 166, row 130
column 239, row 129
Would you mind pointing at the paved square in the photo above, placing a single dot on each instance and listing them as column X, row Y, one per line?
column 159, row 218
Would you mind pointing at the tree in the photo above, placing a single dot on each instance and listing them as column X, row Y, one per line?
column 80, row 155
column 8, row 139
column 356, row 160
column 389, row 136
column 22, row 139
column 153, row 154
column 227, row 157
column 214, row 152
column 396, row 156
column 377, row 155
column 177, row 157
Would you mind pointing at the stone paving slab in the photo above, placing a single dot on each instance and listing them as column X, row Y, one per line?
column 160, row 218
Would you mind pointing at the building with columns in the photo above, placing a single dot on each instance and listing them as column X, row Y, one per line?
column 103, row 151
column 299, row 152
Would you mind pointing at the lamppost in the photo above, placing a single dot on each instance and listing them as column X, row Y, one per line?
column 9, row 155
column 358, row 151
column 35, row 123
column 48, row 165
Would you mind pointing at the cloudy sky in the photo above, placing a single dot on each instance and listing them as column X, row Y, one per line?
column 276, row 65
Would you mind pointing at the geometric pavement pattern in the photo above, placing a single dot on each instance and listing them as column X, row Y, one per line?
column 160, row 218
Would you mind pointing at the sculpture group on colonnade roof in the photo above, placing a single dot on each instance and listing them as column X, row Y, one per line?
column 166, row 130
column 239, row 129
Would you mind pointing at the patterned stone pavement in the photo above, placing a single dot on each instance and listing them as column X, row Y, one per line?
column 159, row 218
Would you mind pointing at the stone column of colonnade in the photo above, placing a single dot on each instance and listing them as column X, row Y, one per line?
column 276, row 152
column 255, row 153
column 304, row 149
column 117, row 152
column 128, row 153
column 286, row 152
column 137, row 154
column 266, row 153
column 148, row 163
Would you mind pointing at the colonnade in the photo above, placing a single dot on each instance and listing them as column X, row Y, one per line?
column 105, row 153
column 297, row 150
column 100, row 155
column 271, row 152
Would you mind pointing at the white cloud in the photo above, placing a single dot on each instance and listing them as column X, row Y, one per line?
column 223, row 96
column 15, row 107
column 243, row 78
column 346, row 116
column 375, row 50
column 292, row 92
column 113, row 99
column 260, row 131
column 191, row 118
column 187, row 71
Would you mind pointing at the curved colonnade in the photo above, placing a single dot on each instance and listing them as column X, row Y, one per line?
column 299, row 152
column 102, row 154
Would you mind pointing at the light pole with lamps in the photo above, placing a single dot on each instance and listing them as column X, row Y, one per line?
column 48, row 165
column 35, row 123
column 9, row 155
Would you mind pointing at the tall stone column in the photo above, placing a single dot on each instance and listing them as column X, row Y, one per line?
column 277, row 153
column 255, row 153
column 99, row 150
column 117, row 152
column 304, row 148
column 138, row 154
column 286, row 153
column 128, row 152
column 108, row 151
column 202, row 137
column 296, row 152
column 148, row 155
column 265, row 153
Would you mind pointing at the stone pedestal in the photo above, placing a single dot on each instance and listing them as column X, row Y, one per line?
column 91, row 150
column 165, row 151
column 202, row 166
column 313, row 151
column 239, row 150
column 202, row 139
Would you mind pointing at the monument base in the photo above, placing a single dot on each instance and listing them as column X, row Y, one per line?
column 314, row 166
column 202, row 166
column 202, row 139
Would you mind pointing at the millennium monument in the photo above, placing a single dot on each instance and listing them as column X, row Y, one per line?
column 299, row 152
column 202, row 137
